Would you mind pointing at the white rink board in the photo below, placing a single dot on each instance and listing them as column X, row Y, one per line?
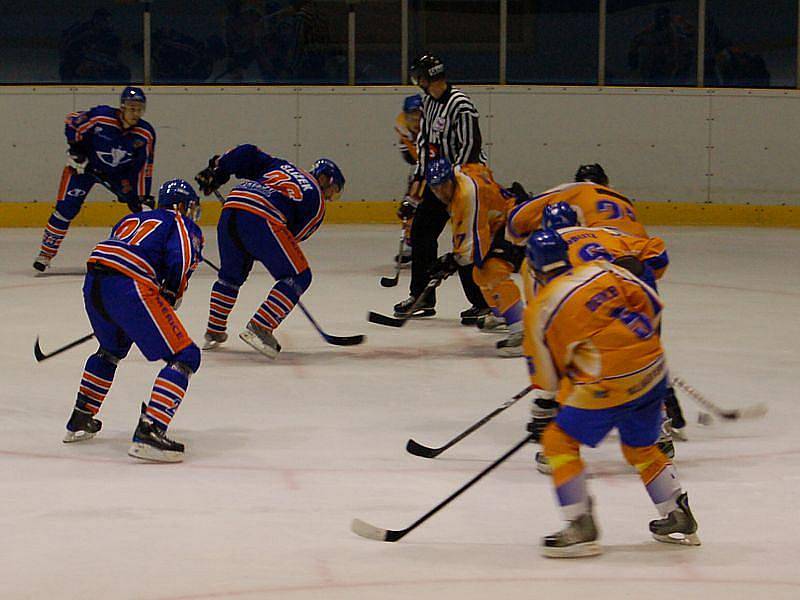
column 282, row 455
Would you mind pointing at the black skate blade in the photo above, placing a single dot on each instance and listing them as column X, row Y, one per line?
column 389, row 281
column 380, row 319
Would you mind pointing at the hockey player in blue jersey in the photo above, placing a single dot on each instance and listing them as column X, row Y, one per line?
column 263, row 219
column 135, row 281
column 107, row 145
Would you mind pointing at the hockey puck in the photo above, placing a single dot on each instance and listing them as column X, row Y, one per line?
column 704, row 418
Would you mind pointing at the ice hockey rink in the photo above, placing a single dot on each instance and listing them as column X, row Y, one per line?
column 282, row 455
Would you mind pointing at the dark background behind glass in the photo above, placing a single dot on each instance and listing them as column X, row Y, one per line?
column 651, row 43
column 52, row 42
column 749, row 43
column 552, row 41
column 465, row 35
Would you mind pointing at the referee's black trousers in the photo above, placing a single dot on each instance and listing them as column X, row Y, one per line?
column 429, row 222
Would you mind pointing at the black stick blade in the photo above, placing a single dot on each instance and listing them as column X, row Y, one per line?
column 417, row 449
column 371, row 532
column 345, row 340
column 380, row 319
column 390, row 281
column 37, row 351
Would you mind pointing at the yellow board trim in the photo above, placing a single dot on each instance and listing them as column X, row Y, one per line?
column 105, row 214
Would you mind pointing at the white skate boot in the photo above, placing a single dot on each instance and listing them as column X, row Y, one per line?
column 261, row 339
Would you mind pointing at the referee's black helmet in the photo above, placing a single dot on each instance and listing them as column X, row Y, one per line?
column 428, row 66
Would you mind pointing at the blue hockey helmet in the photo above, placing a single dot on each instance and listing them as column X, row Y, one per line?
column 546, row 251
column 593, row 173
column 325, row 166
column 439, row 171
column 558, row 216
column 132, row 94
column 177, row 191
column 412, row 103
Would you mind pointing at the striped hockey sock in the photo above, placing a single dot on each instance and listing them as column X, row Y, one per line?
column 168, row 391
column 54, row 234
column 98, row 375
column 278, row 304
column 223, row 297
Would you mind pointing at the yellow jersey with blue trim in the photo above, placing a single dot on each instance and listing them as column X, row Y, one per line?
column 596, row 206
column 591, row 337
column 477, row 212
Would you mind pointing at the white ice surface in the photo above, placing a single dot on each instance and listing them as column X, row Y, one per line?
column 282, row 455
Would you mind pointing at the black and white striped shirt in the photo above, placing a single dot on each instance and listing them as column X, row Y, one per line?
column 449, row 128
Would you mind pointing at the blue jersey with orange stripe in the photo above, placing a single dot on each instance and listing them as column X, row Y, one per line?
column 123, row 155
column 282, row 191
column 158, row 247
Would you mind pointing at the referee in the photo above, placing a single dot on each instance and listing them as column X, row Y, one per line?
column 448, row 128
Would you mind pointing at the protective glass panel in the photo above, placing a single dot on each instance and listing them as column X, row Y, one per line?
column 749, row 46
column 71, row 42
column 552, row 41
column 378, row 41
column 245, row 41
column 464, row 35
column 651, row 43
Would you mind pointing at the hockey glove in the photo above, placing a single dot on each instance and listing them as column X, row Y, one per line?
column 407, row 209
column 630, row 263
column 543, row 411
column 77, row 159
column 519, row 193
column 444, row 266
column 210, row 179
column 148, row 200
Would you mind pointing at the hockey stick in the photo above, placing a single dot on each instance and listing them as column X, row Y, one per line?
column 335, row 340
column 426, row 452
column 380, row 319
column 753, row 411
column 40, row 356
column 392, row 281
column 366, row 530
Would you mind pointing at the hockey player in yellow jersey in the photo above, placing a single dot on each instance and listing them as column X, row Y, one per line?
column 596, row 204
column 592, row 345
column 478, row 206
column 406, row 126
column 645, row 257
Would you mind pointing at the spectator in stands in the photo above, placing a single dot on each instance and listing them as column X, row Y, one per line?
column 663, row 52
column 89, row 51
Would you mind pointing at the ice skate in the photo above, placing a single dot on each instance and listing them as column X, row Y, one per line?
column 402, row 310
column 678, row 527
column 491, row 324
column 81, row 426
column 214, row 339
column 152, row 444
column 261, row 339
column 578, row 538
column 542, row 464
column 510, row 347
column 471, row 315
column 42, row 262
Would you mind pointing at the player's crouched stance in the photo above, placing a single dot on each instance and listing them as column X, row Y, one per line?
column 591, row 338
column 264, row 219
column 135, row 280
